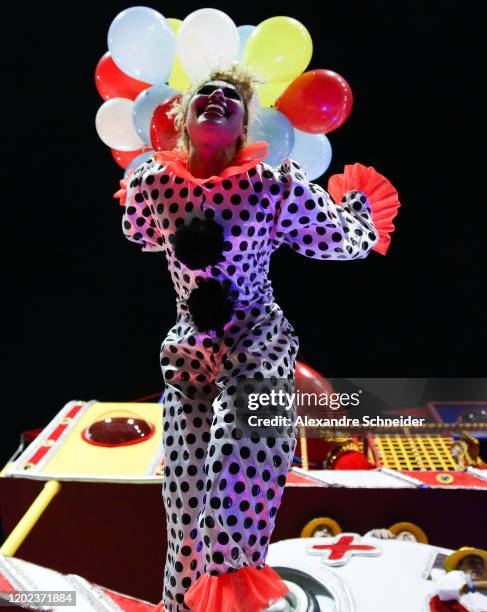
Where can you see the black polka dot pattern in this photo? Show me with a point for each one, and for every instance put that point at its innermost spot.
(257, 214)
(312, 224)
(221, 489)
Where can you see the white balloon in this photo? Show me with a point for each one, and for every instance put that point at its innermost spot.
(254, 106)
(115, 126)
(244, 31)
(144, 106)
(207, 39)
(312, 152)
(142, 44)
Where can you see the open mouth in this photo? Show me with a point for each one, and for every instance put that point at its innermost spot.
(215, 108)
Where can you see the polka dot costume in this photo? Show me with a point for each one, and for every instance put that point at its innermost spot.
(222, 489)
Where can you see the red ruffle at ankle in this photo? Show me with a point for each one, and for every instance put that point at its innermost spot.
(246, 590)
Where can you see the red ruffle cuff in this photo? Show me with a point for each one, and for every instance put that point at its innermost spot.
(247, 590)
(121, 194)
(382, 195)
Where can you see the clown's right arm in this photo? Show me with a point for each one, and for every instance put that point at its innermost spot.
(139, 222)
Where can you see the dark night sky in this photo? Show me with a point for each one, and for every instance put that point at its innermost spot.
(95, 308)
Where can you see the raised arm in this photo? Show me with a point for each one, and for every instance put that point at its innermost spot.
(310, 222)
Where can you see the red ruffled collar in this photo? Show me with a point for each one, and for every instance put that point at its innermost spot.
(177, 161)
(248, 157)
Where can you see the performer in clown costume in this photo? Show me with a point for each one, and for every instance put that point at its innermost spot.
(217, 212)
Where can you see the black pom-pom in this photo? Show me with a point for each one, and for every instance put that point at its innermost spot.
(199, 244)
(210, 305)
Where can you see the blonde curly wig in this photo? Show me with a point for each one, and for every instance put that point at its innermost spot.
(238, 75)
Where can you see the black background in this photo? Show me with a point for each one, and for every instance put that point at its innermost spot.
(96, 309)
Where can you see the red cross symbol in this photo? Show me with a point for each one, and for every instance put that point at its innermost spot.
(341, 549)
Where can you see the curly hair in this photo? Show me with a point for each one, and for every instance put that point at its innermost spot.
(238, 75)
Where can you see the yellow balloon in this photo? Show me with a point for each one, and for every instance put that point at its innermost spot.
(279, 49)
(178, 78)
(174, 23)
(269, 92)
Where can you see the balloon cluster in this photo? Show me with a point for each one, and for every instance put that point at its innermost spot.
(151, 60)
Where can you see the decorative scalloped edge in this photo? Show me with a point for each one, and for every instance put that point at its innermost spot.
(246, 590)
(382, 195)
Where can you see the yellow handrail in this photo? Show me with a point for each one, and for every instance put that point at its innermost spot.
(30, 518)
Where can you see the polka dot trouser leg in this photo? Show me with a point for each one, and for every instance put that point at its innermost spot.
(221, 492)
(245, 476)
(187, 420)
(186, 434)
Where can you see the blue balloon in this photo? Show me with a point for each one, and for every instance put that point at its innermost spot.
(144, 106)
(312, 152)
(137, 161)
(244, 32)
(276, 129)
(142, 44)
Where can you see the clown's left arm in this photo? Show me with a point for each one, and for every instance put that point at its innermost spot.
(311, 223)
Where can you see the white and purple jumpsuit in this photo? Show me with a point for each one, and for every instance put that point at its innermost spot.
(222, 490)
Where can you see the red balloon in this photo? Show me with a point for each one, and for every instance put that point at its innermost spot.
(309, 380)
(123, 158)
(312, 380)
(163, 134)
(318, 101)
(111, 82)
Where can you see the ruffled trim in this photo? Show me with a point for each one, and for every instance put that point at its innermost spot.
(121, 194)
(382, 195)
(248, 157)
(177, 161)
(246, 590)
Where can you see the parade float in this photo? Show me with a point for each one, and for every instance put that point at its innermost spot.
(387, 521)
